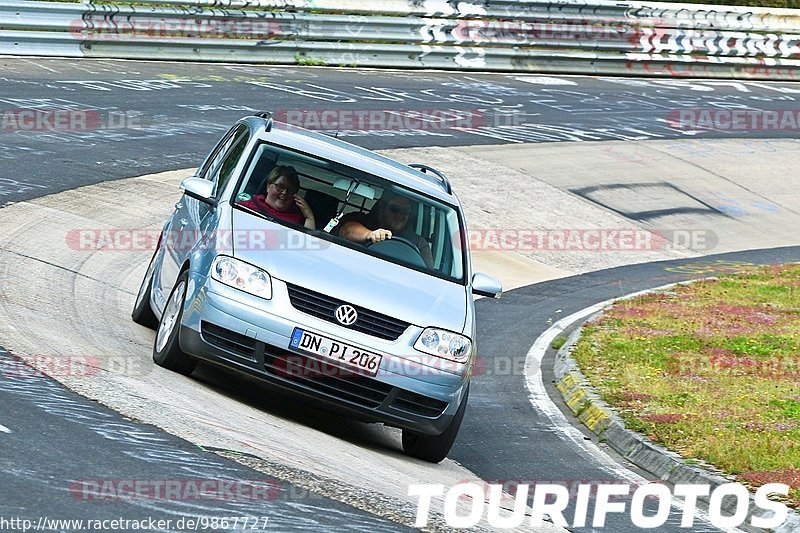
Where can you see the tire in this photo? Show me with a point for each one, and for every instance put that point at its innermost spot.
(142, 312)
(167, 351)
(434, 448)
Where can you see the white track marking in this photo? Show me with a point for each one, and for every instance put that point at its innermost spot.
(541, 401)
(4, 429)
(38, 65)
(537, 394)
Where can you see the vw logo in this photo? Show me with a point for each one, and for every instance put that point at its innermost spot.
(346, 315)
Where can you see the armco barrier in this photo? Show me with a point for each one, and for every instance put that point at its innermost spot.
(597, 37)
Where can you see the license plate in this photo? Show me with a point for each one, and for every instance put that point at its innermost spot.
(349, 356)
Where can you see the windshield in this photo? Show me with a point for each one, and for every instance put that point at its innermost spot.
(354, 209)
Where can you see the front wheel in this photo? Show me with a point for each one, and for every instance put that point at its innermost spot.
(434, 448)
(167, 350)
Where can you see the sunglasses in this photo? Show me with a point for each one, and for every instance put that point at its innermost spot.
(399, 209)
(281, 188)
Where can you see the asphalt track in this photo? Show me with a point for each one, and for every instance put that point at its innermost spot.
(66, 458)
(146, 117)
(177, 119)
(532, 450)
(59, 438)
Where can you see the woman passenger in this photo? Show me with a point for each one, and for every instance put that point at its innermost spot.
(280, 199)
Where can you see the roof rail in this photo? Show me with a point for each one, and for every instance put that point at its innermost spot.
(266, 115)
(445, 183)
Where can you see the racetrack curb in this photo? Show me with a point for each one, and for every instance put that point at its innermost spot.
(586, 404)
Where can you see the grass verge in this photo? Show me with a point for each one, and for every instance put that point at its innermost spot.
(710, 370)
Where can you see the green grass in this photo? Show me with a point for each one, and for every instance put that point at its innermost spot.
(305, 61)
(710, 370)
(558, 342)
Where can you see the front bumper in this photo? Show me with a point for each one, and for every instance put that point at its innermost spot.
(252, 336)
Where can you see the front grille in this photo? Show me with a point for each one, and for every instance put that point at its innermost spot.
(322, 306)
(418, 404)
(228, 340)
(321, 376)
(325, 377)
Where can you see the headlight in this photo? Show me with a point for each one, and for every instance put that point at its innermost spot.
(242, 276)
(445, 344)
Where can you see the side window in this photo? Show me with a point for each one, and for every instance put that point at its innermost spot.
(223, 173)
(212, 164)
(216, 154)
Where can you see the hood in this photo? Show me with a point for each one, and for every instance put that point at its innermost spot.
(349, 275)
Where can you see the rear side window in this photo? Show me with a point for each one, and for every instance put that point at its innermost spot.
(216, 154)
(211, 169)
(228, 164)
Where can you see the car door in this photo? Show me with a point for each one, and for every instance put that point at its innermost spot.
(202, 218)
(191, 217)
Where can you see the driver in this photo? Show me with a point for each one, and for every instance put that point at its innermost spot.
(388, 217)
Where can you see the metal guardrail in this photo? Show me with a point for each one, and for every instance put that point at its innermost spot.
(598, 37)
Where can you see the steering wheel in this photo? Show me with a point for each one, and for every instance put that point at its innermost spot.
(399, 248)
(394, 238)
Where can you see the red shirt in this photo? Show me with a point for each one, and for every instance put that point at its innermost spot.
(259, 203)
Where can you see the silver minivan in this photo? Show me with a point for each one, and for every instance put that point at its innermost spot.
(327, 270)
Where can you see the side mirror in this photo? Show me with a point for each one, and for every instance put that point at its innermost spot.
(485, 285)
(199, 189)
